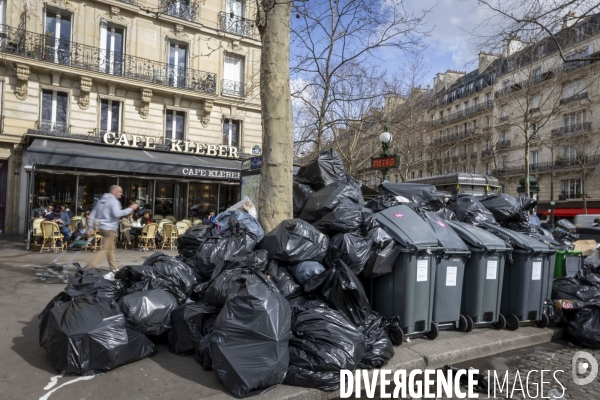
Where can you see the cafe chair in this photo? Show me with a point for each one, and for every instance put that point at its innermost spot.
(170, 236)
(38, 235)
(198, 222)
(171, 218)
(148, 236)
(73, 224)
(51, 235)
(182, 227)
(188, 222)
(158, 217)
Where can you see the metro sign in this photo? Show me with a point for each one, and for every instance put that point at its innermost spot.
(385, 162)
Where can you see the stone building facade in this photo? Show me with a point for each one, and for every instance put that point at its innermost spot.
(169, 70)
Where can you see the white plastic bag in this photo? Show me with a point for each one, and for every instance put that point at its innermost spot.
(245, 205)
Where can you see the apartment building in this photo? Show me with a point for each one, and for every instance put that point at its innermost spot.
(159, 96)
(526, 100)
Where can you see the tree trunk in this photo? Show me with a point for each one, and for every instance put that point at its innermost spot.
(275, 198)
(527, 189)
(585, 211)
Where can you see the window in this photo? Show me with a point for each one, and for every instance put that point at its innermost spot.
(446, 171)
(571, 188)
(473, 169)
(569, 153)
(476, 102)
(486, 168)
(504, 135)
(465, 105)
(506, 84)
(537, 74)
(488, 98)
(430, 174)
(58, 36)
(234, 17)
(533, 130)
(454, 171)
(110, 115)
(2, 13)
(464, 169)
(233, 75)
(535, 103)
(533, 158)
(474, 124)
(231, 133)
(464, 149)
(504, 162)
(541, 49)
(579, 32)
(175, 126)
(573, 89)
(182, 9)
(412, 175)
(486, 145)
(465, 127)
(487, 121)
(504, 111)
(574, 121)
(177, 65)
(111, 49)
(420, 174)
(54, 111)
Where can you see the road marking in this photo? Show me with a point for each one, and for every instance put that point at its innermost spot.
(53, 382)
(81, 378)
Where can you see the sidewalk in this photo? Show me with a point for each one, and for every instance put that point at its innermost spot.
(26, 369)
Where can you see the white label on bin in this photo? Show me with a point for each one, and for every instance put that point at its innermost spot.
(492, 269)
(537, 271)
(451, 276)
(422, 270)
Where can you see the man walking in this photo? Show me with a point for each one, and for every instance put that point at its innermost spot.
(108, 213)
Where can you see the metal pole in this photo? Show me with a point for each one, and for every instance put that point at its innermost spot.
(76, 192)
(552, 187)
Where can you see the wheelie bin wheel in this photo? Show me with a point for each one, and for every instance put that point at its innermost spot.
(433, 332)
(544, 322)
(501, 323)
(396, 336)
(512, 322)
(470, 323)
(463, 324)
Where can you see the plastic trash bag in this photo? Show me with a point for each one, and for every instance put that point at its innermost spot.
(301, 194)
(189, 323)
(327, 199)
(91, 281)
(326, 169)
(503, 206)
(223, 222)
(382, 260)
(379, 347)
(250, 340)
(285, 282)
(425, 197)
(583, 323)
(305, 270)
(179, 278)
(89, 335)
(571, 288)
(246, 206)
(353, 249)
(446, 214)
(468, 209)
(149, 312)
(383, 202)
(203, 353)
(295, 240)
(322, 343)
(341, 290)
(191, 241)
(346, 217)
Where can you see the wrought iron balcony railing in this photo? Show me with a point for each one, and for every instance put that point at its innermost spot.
(578, 96)
(464, 113)
(45, 48)
(455, 159)
(233, 88)
(486, 153)
(572, 129)
(132, 2)
(559, 164)
(463, 157)
(183, 9)
(504, 118)
(53, 128)
(474, 155)
(236, 25)
(502, 144)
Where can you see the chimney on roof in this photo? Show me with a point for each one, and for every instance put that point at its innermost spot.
(569, 20)
(485, 59)
(438, 82)
(451, 76)
(512, 45)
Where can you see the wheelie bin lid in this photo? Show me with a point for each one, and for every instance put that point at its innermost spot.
(518, 241)
(407, 228)
(450, 241)
(477, 237)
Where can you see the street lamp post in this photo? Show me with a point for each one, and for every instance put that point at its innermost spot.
(386, 139)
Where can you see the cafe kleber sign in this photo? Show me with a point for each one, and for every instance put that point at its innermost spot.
(177, 146)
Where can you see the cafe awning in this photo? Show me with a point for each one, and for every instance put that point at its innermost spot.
(67, 154)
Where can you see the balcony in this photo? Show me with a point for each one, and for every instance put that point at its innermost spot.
(454, 159)
(486, 153)
(182, 9)
(53, 128)
(474, 155)
(61, 52)
(559, 164)
(429, 163)
(486, 105)
(464, 157)
(132, 2)
(487, 129)
(504, 118)
(233, 88)
(502, 144)
(236, 25)
(569, 130)
(578, 96)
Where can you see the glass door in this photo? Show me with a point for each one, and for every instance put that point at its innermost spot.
(58, 37)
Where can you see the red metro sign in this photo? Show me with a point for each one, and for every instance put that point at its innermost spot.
(385, 162)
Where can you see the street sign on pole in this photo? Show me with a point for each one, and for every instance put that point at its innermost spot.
(385, 162)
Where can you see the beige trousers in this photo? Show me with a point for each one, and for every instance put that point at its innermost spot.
(108, 247)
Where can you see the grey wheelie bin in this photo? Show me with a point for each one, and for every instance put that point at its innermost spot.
(484, 272)
(408, 291)
(527, 279)
(450, 271)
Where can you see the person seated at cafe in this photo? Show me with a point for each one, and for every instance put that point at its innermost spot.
(209, 218)
(82, 226)
(66, 209)
(49, 210)
(128, 232)
(146, 219)
(63, 221)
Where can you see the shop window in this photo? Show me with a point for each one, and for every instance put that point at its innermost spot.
(228, 196)
(177, 64)
(58, 36)
(54, 111)
(110, 115)
(175, 125)
(111, 48)
(56, 189)
(203, 198)
(231, 132)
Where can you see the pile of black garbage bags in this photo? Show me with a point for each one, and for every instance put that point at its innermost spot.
(258, 309)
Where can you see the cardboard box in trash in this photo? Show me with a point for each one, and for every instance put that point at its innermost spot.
(587, 247)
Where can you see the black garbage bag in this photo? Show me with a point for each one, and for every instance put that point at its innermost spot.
(295, 240)
(285, 282)
(149, 312)
(468, 209)
(592, 261)
(583, 323)
(305, 270)
(250, 339)
(327, 199)
(346, 217)
(353, 249)
(379, 346)
(447, 214)
(203, 353)
(424, 197)
(301, 193)
(91, 281)
(383, 202)
(341, 289)
(326, 169)
(225, 221)
(178, 277)
(89, 335)
(191, 241)
(382, 259)
(528, 203)
(503, 206)
(589, 275)
(571, 288)
(189, 323)
(322, 343)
